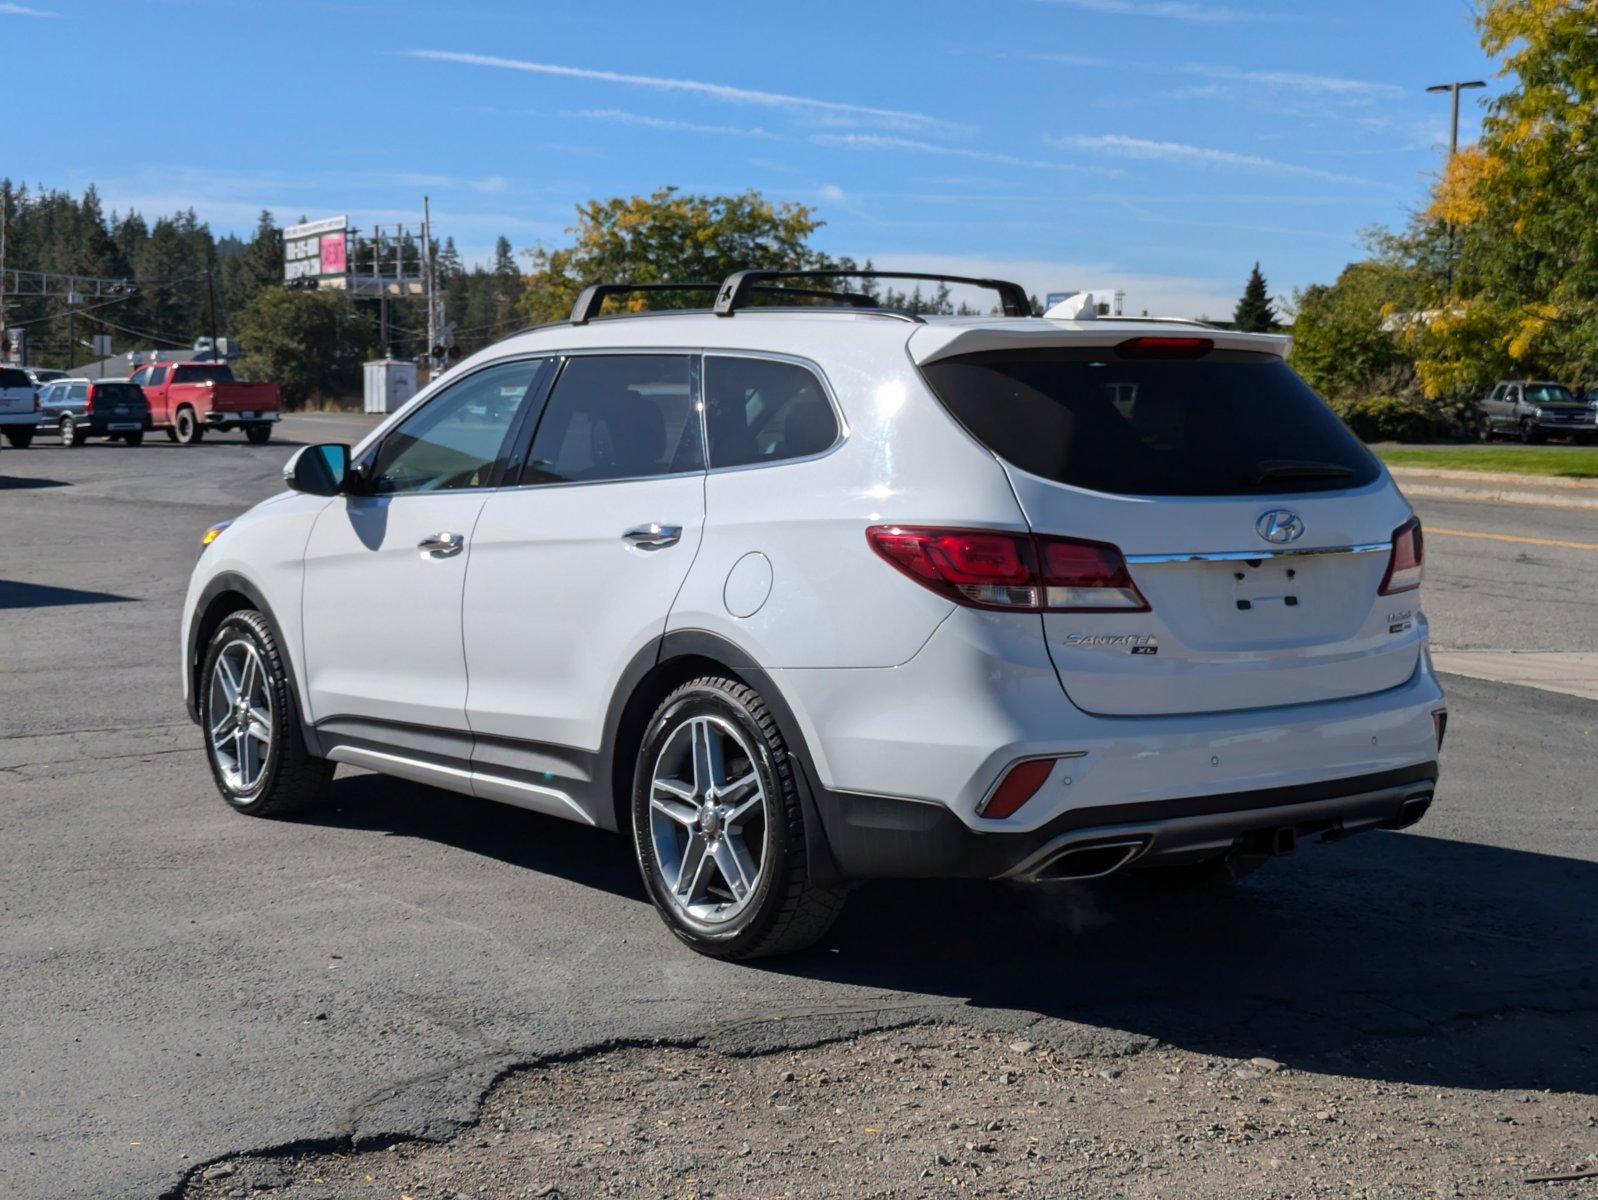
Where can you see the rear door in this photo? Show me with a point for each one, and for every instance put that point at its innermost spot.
(574, 570)
(1254, 524)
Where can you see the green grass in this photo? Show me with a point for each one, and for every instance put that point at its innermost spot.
(1570, 462)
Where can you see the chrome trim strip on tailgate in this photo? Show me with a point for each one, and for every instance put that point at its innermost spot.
(1146, 560)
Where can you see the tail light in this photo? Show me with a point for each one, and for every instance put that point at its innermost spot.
(1440, 724)
(1011, 572)
(35, 399)
(88, 404)
(1020, 783)
(1407, 561)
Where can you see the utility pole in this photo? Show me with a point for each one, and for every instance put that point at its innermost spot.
(382, 292)
(210, 304)
(427, 266)
(5, 219)
(1454, 89)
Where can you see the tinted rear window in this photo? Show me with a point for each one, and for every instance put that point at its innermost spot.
(1232, 423)
(118, 393)
(10, 377)
(216, 374)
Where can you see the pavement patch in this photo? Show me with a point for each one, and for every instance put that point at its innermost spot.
(1571, 673)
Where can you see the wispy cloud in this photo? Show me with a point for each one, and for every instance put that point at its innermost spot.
(1170, 10)
(879, 141)
(617, 116)
(20, 10)
(1121, 146)
(1316, 85)
(714, 91)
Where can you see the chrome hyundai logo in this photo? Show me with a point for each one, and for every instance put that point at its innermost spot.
(1280, 526)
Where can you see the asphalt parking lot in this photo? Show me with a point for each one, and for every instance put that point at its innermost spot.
(181, 984)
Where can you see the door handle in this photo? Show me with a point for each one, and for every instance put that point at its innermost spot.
(441, 545)
(653, 536)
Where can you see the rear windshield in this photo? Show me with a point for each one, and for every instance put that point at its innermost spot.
(1231, 423)
(118, 393)
(10, 377)
(216, 374)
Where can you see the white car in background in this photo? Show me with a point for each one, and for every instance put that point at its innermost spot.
(797, 591)
(19, 406)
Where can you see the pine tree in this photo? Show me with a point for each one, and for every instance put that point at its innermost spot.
(1254, 313)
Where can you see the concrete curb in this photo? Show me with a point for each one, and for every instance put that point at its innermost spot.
(1497, 487)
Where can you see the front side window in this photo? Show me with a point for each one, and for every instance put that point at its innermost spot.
(140, 377)
(764, 411)
(456, 438)
(622, 416)
(157, 377)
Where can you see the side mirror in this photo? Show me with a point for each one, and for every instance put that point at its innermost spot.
(321, 470)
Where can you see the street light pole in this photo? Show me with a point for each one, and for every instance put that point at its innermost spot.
(1454, 89)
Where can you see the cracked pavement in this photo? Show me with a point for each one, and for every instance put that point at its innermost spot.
(181, 983)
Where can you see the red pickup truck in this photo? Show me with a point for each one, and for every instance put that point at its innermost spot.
(188, 398)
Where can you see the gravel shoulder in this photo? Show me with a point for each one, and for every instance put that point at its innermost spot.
(944, 1109)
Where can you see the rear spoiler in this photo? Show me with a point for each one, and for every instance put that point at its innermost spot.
(935, 341)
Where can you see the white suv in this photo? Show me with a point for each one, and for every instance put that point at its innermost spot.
(799, 595)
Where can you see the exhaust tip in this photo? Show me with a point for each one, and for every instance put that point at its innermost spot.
(1089, 862)
(1411, 813)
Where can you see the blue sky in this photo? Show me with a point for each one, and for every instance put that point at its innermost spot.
(1159, 146)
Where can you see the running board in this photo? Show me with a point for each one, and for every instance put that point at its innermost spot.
(531, 796)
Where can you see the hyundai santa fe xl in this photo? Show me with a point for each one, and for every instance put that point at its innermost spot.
(795, 591)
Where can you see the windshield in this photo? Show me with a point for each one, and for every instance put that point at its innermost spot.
(1549, 393)
(1231, 423)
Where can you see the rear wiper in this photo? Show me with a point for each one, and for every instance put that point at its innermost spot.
(1298, 468)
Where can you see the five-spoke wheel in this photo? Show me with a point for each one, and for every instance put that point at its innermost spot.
(707, 818)
(241, 715)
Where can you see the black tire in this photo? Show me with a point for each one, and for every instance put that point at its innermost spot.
(291, 779)
(1484, 430)
(134, 438)
(71, 435)
(786, 911)
(1530, 435)
(20, 438)
(186, 428)
(259, 434)
(171, 434)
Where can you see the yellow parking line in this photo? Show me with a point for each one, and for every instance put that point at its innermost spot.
(1431, 530)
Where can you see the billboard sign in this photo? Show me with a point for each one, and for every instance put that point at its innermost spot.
(316, 249)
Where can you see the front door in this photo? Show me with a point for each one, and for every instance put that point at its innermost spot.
(574, 570)
(384, 570)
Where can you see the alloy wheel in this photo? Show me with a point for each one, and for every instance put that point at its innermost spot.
(708, 820)
(241, 717)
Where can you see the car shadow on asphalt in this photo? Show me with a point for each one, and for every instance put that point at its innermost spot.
(16, 594)
(1388, 956)
(19, 483)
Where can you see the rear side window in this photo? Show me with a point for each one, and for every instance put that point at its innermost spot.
(624, 416)
(1231, 423)
(10, 377)
(764, 411)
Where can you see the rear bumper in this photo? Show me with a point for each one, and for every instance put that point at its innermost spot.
(29, 418)
(226, 420)
(873, 837)
(102, 425)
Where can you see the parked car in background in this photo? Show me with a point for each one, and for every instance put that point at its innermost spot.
(1534, 410)
(189, 398)
(19, 406)
(43, 375)
(79, 409)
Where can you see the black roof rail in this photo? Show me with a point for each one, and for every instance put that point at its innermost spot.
(737, 288)
(593, 297)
